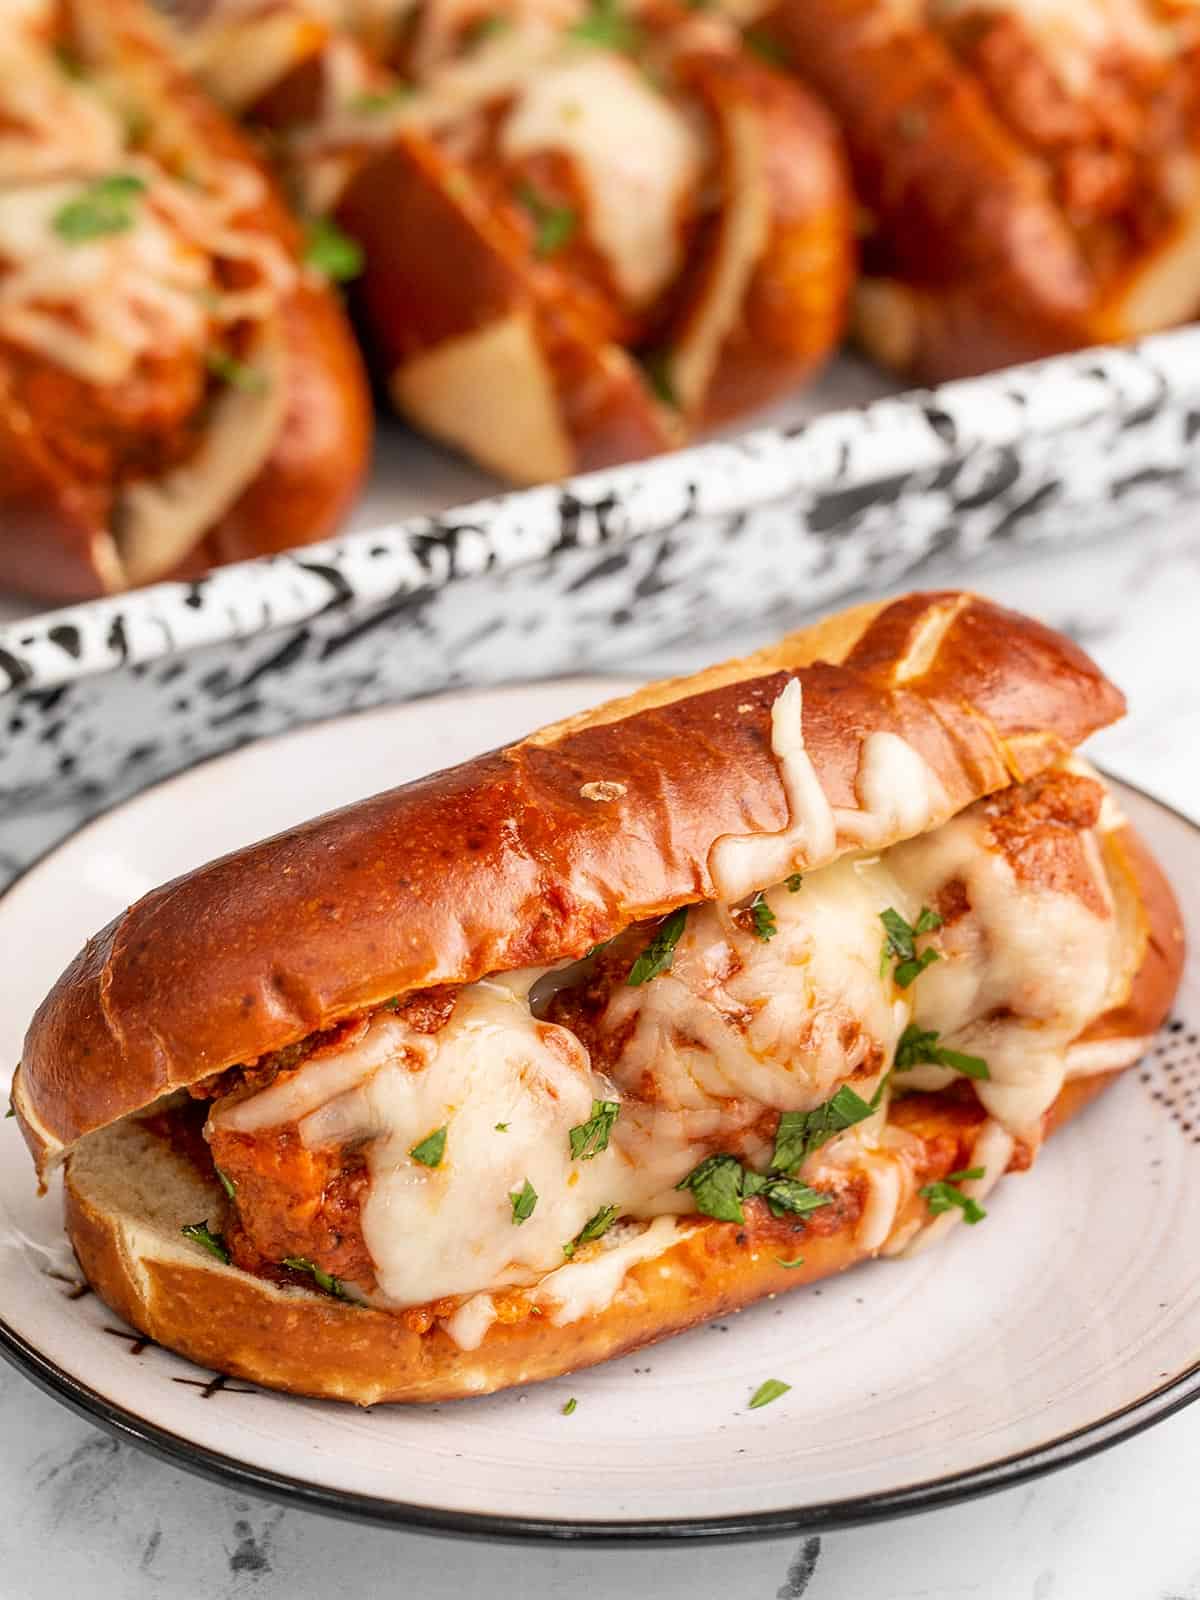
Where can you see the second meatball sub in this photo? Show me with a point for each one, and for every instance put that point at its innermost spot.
(177, 386)
(1030, 172)
(589, 229)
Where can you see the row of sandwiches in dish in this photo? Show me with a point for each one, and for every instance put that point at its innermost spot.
(691, 999)
(572, 233)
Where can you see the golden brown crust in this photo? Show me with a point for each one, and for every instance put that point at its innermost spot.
(578, 399)
(309, 482)
(508, 861)
(52, 543)
(795, 304)
(413, 210)
(1158, 976)
(990, 271)
(975, 261)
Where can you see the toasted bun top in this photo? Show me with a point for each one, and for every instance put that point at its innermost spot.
(535, 852)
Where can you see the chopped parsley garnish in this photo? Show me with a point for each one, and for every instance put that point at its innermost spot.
(552, 225)
(589, 1138)
(69, 64)
(794, 881)
(11, 1112)
(720, 1183)
(523, 1201)
(716, 1186)
(502, 1127)
(486, 28)
(944, 1196)
(784, 1194)
(569, 1406)
(104, 207)
(768, 1391)
(331, 252)
(763, 918)
(227, 1184)
(900, 944)
(801, 1132)
(660, 952)
(373, 101)
(594, 1228)
(766, 47)
(238, 374)
(919, 1046)
(431, 1148)
(200, 1233)
(656, 364)
(605, 26)
(796, 1261)
(323, 1280)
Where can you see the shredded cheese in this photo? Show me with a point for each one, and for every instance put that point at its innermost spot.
(155, 280)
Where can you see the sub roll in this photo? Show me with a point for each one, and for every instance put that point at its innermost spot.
(591, 231)
(685, 1001)
(1029, 173)
(178, 383)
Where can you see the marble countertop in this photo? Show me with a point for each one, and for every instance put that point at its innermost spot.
(86, 1514)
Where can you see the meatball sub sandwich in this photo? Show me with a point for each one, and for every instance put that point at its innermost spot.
(690, 999)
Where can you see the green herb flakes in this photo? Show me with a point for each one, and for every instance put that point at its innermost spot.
(431, 1148)
(104, 207)
(768, 1391)
(523, 1201)
(200, 1233)
(918, 1046)
(660, 952)
(590, 1138)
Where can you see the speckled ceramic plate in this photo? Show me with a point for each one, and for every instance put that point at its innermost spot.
(1069, 1320)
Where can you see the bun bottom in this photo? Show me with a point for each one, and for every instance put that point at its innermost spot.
(128, 1194)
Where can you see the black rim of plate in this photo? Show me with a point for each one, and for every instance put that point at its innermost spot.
(928, 1495)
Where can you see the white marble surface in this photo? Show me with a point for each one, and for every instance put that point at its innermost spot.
(84, 1514)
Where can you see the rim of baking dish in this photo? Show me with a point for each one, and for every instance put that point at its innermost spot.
(839, 453)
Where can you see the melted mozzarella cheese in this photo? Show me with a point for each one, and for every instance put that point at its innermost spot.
(449, 1229)
(130, 292)
(96, 306)
(1021, 974)
(50, 126)
(469, 1324)
(638, 156)
(897, 795)
(582, 1288)
(739, 1023)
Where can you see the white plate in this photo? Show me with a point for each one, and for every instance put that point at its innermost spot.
(1070, 1319)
